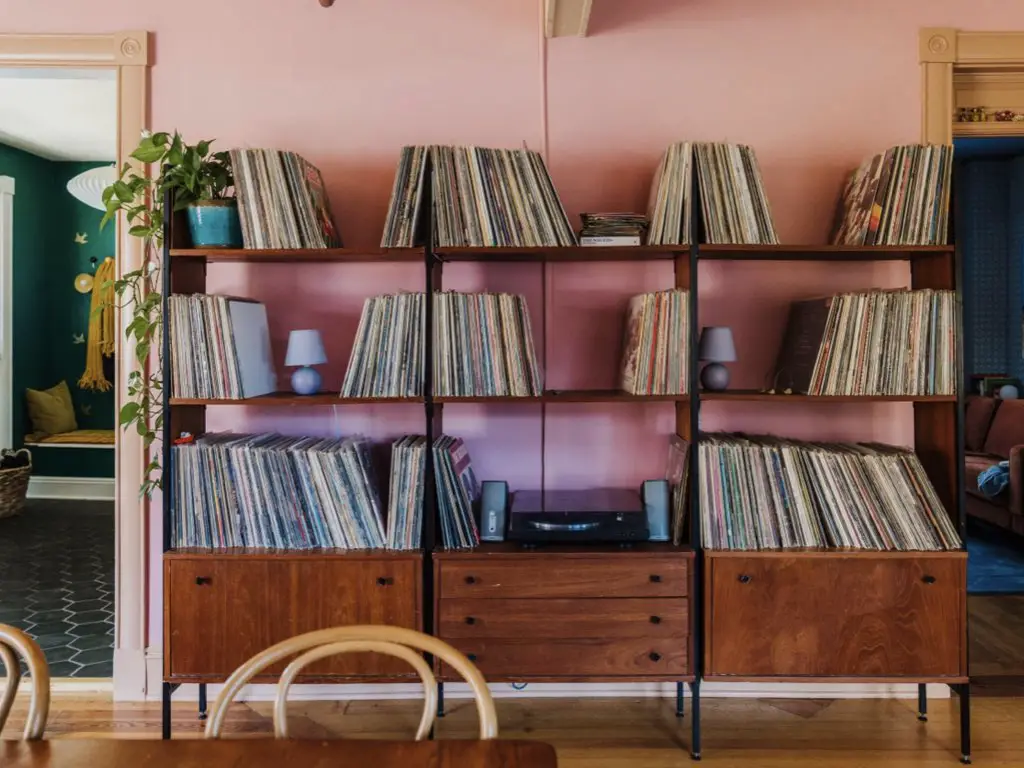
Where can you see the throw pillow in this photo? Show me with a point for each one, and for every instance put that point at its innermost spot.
(51, 411)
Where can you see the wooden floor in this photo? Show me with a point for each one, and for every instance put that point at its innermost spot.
(620, 733)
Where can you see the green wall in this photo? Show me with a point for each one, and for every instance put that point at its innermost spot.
(48, 311)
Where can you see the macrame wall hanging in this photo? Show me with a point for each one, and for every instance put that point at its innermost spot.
(102, 341)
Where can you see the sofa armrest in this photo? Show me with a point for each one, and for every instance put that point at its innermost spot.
(1017, 480)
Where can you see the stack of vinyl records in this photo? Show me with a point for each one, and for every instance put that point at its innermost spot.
(734, 206)
(387, 358)
(482, 198)
(613, 229)
(281, 201)
(773, 493)
(877, 343)
(220, 348)
(457, 492)
(900, 197)
(405, 497)
(277, 492)
(656, 344)
(483, 346)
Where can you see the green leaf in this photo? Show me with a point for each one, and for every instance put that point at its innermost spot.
(140, 427)
(203, 147)
(139, 231)
(123, 192)
(148, 155)
(128, 413)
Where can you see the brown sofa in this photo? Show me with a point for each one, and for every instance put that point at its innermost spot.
(994, 432)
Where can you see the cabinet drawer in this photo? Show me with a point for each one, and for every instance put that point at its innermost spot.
(519, 659)
(560, 618)
(536, 576)
(836, 614)
(220, 611)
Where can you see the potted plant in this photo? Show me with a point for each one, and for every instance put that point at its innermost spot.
(197, 180)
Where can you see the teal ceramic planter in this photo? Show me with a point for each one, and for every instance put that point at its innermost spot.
(214, 224)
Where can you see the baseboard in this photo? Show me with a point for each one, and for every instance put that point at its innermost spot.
(75, 488)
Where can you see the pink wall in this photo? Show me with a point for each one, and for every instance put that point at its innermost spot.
(814, 86)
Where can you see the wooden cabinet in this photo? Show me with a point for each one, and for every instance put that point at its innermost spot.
(220, 610)
(565, 614)
(865, 615)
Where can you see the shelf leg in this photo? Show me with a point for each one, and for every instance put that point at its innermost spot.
(965, 722)
(440, 699)
(922, 702)
(680, 709)
(695, 722)
(202, 701)
(165, 710)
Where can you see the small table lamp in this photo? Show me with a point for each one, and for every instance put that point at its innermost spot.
(716, 347)
(305, 348)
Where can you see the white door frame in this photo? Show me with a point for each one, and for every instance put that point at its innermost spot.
(6, 312)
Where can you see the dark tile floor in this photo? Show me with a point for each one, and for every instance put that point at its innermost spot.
(57, 582)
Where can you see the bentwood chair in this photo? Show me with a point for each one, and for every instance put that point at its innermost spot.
(393, 641)
(15, 643)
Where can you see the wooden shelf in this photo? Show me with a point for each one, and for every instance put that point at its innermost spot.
(304, 255)
(748, 554)
(821, 252)
(191, 553)
(514, 549)
(572, 396)
(743, 395)
(835, 679)
(989, 128)
(292, 400)
(566, 253)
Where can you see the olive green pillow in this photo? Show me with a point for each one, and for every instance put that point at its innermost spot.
(51, 411)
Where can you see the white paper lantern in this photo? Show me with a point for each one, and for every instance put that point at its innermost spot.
(88, 187)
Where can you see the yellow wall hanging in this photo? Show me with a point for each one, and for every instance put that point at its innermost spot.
(83, 283)
(102, 341)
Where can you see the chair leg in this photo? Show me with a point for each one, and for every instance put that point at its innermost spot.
(165, 710)
(202, 701)
(922, 702)
(965, 723)
(695, 722)
(680, 707)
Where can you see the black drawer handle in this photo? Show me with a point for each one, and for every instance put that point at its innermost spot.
(471, 656)
(655, 656)
(655, 579)
(471, 580)
(928, 579)
(385, 581)
(655, 619)
(470, 620)
(744, 579)
(201, 580)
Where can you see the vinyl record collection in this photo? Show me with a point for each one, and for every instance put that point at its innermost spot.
(277, 492)
(900, 197)
(734, 207)
(220, 347)
(773, 493)
(656, 344)
(888, 343)
(482, 198)
(387, 357)
(405, 496)
(457, 492)
(281, 201)
(613, 229)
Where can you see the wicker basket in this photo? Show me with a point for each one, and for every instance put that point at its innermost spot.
(14, 485)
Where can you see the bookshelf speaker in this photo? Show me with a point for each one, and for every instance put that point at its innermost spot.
(493, 510)
(656, 502)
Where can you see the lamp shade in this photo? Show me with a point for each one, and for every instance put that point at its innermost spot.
(716, 345)
(305, 348)
(88, 187)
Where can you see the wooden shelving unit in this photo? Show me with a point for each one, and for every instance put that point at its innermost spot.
(299, 256)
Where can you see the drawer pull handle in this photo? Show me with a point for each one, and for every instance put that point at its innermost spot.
(385, 581)
(655, 579)
(928, 579)
(655, 656)
(655, 619)
(471, 656)
(201, 580)
(470, 620)
(471, 580)
(744, 579)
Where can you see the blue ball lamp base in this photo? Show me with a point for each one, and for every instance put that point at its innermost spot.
(306, 381)
(714, 377)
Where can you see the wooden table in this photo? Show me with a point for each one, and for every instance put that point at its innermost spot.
(273, 753)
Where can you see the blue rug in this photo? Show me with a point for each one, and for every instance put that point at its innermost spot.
(995, 561)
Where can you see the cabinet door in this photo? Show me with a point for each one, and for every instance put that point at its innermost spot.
(830, 615)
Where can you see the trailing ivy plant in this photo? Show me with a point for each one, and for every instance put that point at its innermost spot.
(190, 174)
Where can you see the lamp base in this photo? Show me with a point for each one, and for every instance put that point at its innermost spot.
(306, 381)
(714, 377)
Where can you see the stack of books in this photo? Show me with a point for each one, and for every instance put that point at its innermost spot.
(613, 229)
(220, 348)
(405, 497)
(877, 343)
(773, 493)
(656, 344)
(900, 197)
(482, 198)
(483, 346)
(276, 492)
(734, 206)
(387, 358)
(457, 493)
(281, 201)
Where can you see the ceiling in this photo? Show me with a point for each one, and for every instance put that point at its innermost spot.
(59, 114)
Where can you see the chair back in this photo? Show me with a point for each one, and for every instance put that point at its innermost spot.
(394, 641)
(15, 643)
